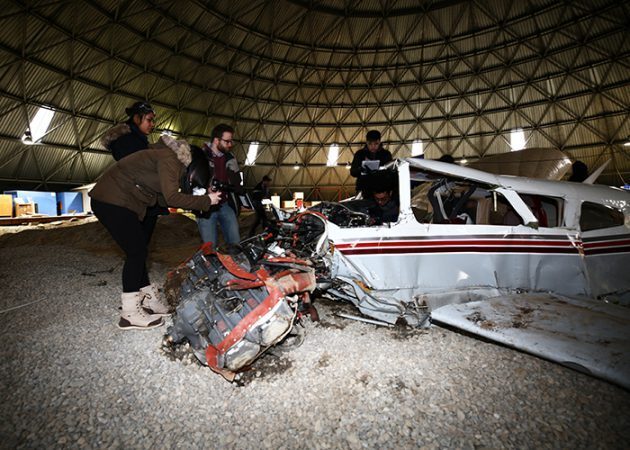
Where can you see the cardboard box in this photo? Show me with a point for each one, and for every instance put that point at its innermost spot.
(45, 202)
(24, 209)
(69, 203)
(6, 205)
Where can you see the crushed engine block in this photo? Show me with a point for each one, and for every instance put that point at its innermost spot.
(233, 307)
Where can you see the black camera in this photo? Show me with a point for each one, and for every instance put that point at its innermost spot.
(219, 186)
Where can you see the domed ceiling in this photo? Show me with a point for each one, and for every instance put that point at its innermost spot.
(297, 76)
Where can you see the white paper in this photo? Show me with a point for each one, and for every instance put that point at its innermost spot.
(371, 164)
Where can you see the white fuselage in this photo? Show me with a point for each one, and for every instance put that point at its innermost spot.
(426, 258)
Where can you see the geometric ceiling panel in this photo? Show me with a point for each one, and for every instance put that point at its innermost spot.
(297, 76)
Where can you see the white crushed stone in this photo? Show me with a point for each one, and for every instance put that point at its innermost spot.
(71, 378)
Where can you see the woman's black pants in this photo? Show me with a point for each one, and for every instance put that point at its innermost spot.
(133, 236)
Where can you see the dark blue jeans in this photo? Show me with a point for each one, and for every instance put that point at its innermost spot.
(226, 217)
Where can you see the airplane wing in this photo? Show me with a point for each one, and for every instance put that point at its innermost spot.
(543, 163)
(584, 334)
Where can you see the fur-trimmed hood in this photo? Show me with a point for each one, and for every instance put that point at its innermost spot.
(150, 176)
(114, 133)
(180, 147)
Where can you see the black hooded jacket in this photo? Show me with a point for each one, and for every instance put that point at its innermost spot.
(128, 140)
(123, 140)
(356, 170)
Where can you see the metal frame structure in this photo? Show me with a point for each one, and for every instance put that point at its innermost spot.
(299, 75)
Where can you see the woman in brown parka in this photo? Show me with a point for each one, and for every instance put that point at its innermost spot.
(120, 199)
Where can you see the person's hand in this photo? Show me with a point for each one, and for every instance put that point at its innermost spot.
(215, 197)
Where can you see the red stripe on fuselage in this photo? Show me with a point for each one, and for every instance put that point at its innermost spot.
(536, 245)
(409, 250)
(607, 250)
(607, 243)
(458, 243)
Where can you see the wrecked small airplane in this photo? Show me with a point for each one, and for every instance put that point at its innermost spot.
(538, 265)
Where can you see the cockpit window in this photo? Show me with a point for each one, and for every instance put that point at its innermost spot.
(595, 217)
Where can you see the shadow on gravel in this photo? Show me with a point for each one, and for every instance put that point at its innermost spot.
(405, 332)
(265, 368)
(329, 318)
(329, 310)
(273, 362)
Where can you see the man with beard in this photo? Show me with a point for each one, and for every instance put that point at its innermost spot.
(225, 177)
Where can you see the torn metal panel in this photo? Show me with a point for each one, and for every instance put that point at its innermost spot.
(584, 334)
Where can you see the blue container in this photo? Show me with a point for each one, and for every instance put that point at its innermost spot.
(45, 202)
(69, 203)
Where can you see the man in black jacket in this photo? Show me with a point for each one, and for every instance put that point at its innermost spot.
(368, 159)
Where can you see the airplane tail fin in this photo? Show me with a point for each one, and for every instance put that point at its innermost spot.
(593, 177)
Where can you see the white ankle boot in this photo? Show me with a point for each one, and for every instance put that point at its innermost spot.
(153, 302)
(133, 316)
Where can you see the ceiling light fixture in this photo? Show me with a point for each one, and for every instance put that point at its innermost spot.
(417, 148)
(252, 154)
(517, 140)
(333, 155)
(38, 126)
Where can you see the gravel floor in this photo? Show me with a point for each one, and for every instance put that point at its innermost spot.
(70, 378)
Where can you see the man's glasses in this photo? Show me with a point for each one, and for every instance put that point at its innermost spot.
(227, 141)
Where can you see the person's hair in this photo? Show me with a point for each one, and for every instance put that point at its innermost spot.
(579, 172)
(266, 178)
(141, 108)
(197, 173)
(446, 158)
(373, 136)
(217, 132)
